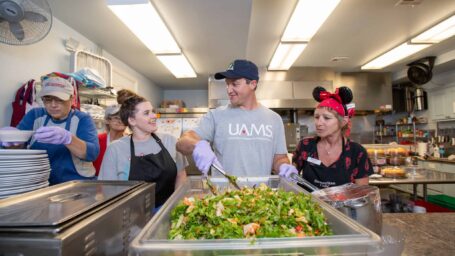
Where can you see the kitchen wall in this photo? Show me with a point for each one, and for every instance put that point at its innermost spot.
(362, 127)
(192, 98)
(18, 64)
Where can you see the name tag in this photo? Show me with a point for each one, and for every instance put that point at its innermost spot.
(314, 161)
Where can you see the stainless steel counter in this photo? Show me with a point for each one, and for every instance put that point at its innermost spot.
(75, 218)
(422, 176)
(438, 160)
(425, 234)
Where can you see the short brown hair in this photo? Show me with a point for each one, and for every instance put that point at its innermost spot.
(128, 108)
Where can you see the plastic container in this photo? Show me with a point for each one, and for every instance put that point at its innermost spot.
(393, 172)
(393, 239)
(349, 236)
(443, 200)
(419, 209)
(387, 149)
(396, 160)
(386, 154)
(15, 135)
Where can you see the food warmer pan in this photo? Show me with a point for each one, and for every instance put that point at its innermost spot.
(75, 218)
(349, 236)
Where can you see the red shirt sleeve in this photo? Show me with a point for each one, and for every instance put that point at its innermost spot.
(102, 138)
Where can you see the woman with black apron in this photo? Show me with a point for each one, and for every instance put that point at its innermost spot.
(144, 155)
(330, 158)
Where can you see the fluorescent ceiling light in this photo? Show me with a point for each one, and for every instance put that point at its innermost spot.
(143, 20)
(285, 55)
(437, 33)
(306, 19)
(177, 64)
(394, 55)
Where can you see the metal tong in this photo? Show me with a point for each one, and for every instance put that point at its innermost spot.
(231, 179)
(304, 182)
(211, 186)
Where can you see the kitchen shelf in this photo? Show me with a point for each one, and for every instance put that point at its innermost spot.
(379, 128)
(408, 124)
(412, 137)
(96, 93)
(393, 125)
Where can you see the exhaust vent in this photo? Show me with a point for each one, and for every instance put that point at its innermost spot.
(410, 3)
(338, 59)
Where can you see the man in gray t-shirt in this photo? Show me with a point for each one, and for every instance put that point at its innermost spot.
(248, 138)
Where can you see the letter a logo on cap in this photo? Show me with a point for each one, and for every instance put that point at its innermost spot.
(231, 66)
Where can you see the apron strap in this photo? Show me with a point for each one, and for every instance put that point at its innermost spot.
(132, 146)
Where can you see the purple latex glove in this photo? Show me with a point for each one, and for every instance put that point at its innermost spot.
(287, 169)
(53, 135)
(9, 144)
(204, 156)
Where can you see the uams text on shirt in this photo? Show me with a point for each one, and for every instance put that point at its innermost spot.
(250, 130)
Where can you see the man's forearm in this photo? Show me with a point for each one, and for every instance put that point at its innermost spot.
(185, 144)
(279, 160)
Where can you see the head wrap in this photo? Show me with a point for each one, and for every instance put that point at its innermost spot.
(339, 101)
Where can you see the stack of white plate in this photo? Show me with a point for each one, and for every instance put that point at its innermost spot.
(23, 170)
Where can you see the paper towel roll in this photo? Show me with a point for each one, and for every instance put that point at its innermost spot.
(422, 148)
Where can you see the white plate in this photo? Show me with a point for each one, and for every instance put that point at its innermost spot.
(24, 175)
(22, 152)
(375, 176)
(6, 190)
(23, 161)
(22, 183)
(19, 189)
(28, 169)
(19, 168)
(11, 157)
(15, 135)
(24, 189)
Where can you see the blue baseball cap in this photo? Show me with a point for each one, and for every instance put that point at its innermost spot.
(240, 69)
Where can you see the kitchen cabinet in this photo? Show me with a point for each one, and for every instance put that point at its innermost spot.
(442, 103)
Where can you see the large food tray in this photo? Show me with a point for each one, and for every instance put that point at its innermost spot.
(349, 237)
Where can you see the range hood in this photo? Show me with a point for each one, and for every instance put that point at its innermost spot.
(371, 90)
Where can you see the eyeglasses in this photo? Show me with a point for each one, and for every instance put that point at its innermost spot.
(115, 118)
(49, 99)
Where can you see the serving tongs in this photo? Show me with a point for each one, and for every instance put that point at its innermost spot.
(304, 182)
(211, 186)
(232, 179)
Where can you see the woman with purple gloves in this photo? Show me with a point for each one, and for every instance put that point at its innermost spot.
(68, 135)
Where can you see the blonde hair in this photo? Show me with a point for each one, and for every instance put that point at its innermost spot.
(340, 120)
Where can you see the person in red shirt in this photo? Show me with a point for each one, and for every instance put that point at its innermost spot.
(114, 130)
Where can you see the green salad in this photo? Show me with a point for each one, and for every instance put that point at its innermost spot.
(248, 213)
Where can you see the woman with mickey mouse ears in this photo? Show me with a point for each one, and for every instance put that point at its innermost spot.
(331, 158)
